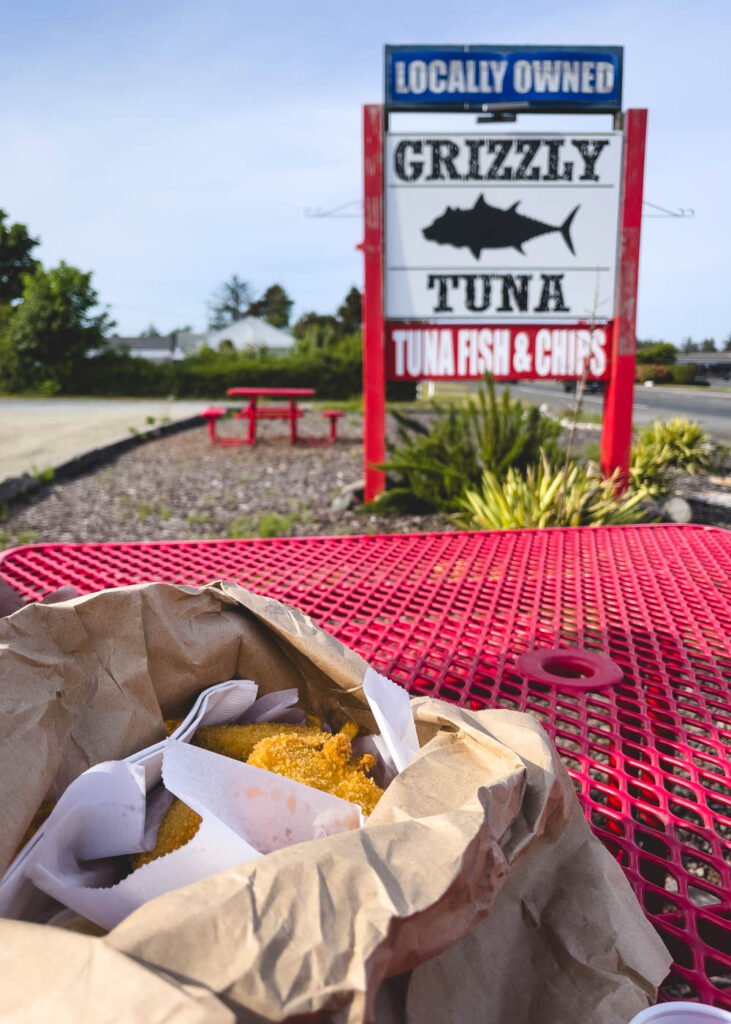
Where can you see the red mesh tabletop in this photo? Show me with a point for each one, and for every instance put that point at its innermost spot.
(449, 614)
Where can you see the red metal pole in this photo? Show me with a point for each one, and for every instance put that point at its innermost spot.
(252, 420)
(617, 430)
(374, 355)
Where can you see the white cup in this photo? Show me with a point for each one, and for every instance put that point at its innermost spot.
(682, 1013)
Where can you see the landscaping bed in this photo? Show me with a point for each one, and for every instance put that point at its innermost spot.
(182, 487)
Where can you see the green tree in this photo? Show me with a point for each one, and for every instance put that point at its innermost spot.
(55, 326)
(727, 344)
(150, 332)
(708, 345)
(16, 246)
(274, 306)
(350, 313)
(689, 345)
(230, 303)
(317, 331)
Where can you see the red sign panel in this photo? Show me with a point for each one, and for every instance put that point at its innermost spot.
(417, 351)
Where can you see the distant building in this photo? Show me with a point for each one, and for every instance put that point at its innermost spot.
(249, 333)
(156, 349)
(714, 364)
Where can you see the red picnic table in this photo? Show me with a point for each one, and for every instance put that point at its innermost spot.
(448, 615)
(253, 413)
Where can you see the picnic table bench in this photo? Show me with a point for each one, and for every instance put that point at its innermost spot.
(450, 615)
(253, 412)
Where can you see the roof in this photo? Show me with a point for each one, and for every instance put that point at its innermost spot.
(705, 358)
(145, 343)
(251, 331)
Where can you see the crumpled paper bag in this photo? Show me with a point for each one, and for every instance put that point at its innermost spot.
(475, 891)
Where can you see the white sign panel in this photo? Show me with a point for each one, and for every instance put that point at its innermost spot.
(502, 227)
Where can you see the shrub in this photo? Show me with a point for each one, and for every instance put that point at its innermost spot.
(658, 374)
(431, 467)
(510, 434)
(661, 448)
(684, 374)
(571, 495)
(271, 524)
(661, 352)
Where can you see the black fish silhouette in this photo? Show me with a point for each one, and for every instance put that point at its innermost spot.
(488, 227)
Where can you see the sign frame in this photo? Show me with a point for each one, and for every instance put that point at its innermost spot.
(617, 424)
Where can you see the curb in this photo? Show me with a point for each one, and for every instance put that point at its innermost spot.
(21, 486)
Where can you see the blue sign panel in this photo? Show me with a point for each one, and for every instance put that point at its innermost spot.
(483, 78)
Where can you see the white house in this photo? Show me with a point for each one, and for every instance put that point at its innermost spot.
(251, 332)
(157, 349)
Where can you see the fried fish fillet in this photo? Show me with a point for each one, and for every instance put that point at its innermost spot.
(177, 828)
(238, 741)
(301, 752)
(322, 761)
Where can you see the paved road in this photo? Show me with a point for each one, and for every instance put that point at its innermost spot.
(45, 432)
(710, 407)
(40, 432)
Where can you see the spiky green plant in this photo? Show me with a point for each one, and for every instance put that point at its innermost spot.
(664, 447)
(572, 495)
(508, 434)
(430, 468)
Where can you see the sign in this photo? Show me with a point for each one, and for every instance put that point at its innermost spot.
(556, 78)
(466, 352)
(508, 252)
(501, 227)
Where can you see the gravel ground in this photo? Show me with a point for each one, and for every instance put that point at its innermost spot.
(182, 487)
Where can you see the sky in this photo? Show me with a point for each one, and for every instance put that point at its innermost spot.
(168, 146)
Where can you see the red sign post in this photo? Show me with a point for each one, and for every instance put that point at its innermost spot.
(374, 344)
(451, 349)
(617, 427)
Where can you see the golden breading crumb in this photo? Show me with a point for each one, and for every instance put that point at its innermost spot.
(239, 740)
(177, 828)
(171, 724)
(327, 765)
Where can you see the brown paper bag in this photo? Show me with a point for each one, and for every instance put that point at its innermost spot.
(476, 891)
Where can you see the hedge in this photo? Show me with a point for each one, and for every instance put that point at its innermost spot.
(658, 374)
(683, 374)
(336, 374)
(662, 353)
(666, 374)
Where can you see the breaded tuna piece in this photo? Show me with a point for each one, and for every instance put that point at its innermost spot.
(327, 765)
(171, 724)
(177, 828)
(238, 741)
